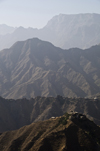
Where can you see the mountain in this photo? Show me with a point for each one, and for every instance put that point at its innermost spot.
(4, 29)
(59, 133)
(65, 31)
(37, 68)
(17, 113)
(19, 34)
(75, 30)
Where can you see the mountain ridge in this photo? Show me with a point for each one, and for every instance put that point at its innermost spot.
(65, 31)
(5, 29)
(54, 134)
(17, 113)
(37, 68)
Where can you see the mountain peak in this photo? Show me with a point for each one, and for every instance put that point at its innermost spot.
(52, 134)
(32, 62)
(63, 30)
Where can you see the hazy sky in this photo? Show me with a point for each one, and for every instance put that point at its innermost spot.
(36, 13)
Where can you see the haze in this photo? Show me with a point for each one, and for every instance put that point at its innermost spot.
(32, 13)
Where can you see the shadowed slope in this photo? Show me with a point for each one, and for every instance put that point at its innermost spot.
(17, 113)
(53, 135)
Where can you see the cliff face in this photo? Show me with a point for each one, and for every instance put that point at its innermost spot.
(37, 68)
(17, 113)
(73, 30)
(54, 134)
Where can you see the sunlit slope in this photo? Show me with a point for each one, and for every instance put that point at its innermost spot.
(37, 68)
(54, 134)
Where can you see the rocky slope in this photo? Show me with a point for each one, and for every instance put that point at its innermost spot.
(75, 30)
(37, 68)
(65, 31)
(59, 134)
(17, 113)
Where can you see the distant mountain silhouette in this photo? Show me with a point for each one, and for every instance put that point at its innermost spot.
(19, 34)
(37, 68)
(4, 29)
(75, 30)
(55, 134)
(65, 31)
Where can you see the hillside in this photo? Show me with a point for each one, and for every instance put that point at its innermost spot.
(59, 134)
(65, 31)
(37, 68)
(17, 113)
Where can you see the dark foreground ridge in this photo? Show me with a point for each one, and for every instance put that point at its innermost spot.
(17, 113)
(65, 133)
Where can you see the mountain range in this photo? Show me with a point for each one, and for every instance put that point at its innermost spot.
(65, 31)
(17, 113)
(37, 68)
(57, 134)
(56, 87)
